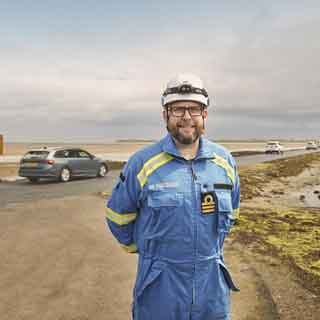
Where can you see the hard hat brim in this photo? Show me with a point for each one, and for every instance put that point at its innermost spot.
(185, 97)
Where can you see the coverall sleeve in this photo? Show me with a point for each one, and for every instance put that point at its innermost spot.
(235, 194)
(122, 207)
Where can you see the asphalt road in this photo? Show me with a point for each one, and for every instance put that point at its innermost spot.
(246, 160)
(22, 190)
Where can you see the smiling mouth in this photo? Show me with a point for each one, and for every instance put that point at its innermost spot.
(185, 126)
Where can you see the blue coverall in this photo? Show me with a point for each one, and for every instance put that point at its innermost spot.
(175, 214)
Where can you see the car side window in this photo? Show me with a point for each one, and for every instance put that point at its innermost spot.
(84, 154)
(73, 154)
(61, 154)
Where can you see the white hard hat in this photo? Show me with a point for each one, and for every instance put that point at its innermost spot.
(187, 87)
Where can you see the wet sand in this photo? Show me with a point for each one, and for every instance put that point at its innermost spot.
(129, 147)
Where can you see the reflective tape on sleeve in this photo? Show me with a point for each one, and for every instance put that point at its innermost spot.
(120, 218)
(132, 248)
(235, 214)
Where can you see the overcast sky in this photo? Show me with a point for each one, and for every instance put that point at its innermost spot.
(94, 71)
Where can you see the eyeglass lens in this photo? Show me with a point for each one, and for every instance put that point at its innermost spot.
(180, 111)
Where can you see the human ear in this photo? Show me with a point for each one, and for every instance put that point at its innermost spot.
(205, 114)
(164, 115)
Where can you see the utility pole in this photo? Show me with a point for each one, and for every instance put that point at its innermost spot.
(1, 144)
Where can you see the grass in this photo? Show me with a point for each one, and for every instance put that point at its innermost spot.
(292, 234)
(253, 178)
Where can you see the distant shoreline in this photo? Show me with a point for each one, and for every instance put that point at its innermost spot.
(131, 146)
(155, 140)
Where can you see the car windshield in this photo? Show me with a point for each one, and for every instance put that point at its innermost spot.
(36, 154)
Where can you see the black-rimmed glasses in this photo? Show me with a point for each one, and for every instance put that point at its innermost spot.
(181, 110)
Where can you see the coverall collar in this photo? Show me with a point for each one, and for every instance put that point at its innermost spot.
(205, 150)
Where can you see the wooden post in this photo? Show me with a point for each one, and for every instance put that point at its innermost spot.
(1, 144)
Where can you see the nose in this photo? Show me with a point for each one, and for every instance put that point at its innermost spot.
(186, 114)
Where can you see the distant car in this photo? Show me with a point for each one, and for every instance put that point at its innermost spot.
(61, 163)
(274, 147)
(311, 145)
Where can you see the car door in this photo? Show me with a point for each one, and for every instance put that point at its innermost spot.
(73, 162)
(87, 164)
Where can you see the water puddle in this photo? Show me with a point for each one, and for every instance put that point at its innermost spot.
(309, 197)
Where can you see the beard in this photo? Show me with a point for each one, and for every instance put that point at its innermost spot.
(177, 133)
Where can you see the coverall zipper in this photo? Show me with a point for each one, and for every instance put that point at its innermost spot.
(194, 191)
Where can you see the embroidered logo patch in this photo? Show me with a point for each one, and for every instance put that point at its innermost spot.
(208, 202)
(163, 185)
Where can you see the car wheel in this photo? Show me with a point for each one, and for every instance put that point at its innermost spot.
(65, 175)
(103, 170)
(33, 180)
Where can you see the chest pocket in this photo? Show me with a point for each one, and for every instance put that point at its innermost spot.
(166, 211)
(225, 208)
(167, 199)
(224, 200)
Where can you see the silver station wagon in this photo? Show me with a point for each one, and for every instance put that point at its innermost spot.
(61, 163)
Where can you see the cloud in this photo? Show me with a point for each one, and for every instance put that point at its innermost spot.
(260, 65)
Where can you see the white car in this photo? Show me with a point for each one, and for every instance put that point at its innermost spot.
(311, 145)
(274, 147)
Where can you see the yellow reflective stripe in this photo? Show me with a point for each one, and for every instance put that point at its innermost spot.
(120, 219)
(235, 214)
(130, 249)
(151, 165)
(225, 165)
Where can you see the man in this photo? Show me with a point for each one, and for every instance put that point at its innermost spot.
(174, 203)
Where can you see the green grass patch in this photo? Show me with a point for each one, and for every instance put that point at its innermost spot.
(290, 234)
